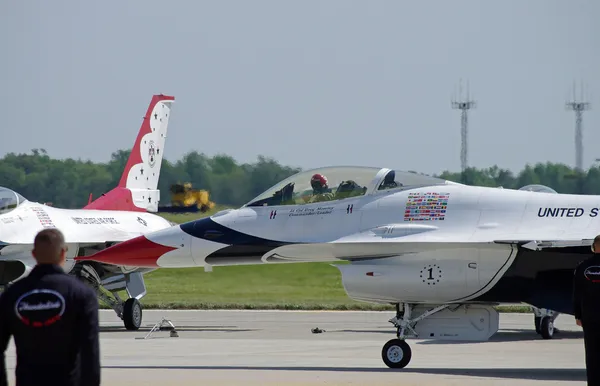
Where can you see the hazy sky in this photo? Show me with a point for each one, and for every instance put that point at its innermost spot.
(309, 83)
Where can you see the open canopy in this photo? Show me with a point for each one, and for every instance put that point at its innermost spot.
(339, 182)
(9, 200)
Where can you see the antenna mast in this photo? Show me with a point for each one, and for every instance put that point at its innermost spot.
(458, 103)
(579, 106)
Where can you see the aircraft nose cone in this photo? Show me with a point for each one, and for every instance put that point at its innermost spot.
(136, 252)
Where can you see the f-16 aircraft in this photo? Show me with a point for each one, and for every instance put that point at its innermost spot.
(116, 216)
(443, 253)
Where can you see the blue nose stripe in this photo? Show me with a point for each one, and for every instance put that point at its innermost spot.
(239, 248)
(208, 229)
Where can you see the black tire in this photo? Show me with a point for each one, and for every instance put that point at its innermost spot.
(396, 354)
(132, 314)
(547, 328)
(537, 321)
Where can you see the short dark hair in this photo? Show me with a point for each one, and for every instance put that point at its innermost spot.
(596, 244)
(51, 235)
(48, 244)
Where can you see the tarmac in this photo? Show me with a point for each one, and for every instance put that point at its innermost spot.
(278, 348)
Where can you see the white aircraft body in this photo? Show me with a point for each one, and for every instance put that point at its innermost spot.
(116, 216)
(444, 253)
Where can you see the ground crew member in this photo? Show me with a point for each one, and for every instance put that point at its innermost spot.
(586, 299)
(53, 318)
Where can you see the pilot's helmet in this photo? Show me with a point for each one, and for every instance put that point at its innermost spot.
(318, 182)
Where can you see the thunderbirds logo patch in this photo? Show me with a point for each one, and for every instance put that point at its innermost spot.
(592, 274)
(40, 307)
(426, 206)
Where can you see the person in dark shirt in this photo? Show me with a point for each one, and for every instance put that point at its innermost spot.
(53, 318)
(586, 305)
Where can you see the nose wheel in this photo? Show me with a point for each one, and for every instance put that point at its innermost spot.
(396, 354)
(544, 322)
(547, 327)
(132, 314)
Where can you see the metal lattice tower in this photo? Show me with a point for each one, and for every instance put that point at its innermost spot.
(464, 105)
(579, 106)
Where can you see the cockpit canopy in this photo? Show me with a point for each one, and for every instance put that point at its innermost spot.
(538, 188)
(337, 183)
(9, 200)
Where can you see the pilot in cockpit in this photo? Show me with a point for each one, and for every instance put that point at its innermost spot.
(389, 181)
(321, 191)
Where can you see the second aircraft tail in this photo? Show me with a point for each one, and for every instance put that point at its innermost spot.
(138, 188)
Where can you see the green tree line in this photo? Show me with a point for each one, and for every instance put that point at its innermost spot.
(67, 183)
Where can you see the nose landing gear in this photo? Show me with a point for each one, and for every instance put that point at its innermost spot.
(544, 322)
(396, 353)
(130, 310)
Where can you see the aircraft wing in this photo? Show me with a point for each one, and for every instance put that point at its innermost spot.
(381, 243)
(354, 251)
(537, 245)
(378, 243)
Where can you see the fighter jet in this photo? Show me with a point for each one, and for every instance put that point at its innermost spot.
(443, 253)
(116, 216)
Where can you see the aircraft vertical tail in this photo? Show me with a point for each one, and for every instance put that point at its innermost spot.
(138, 188)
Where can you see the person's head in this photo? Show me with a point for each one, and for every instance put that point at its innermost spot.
(49, 247)
(319, 183)
(596, 244)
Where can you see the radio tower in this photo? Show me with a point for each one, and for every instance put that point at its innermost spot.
(458, 103)
(579, 106)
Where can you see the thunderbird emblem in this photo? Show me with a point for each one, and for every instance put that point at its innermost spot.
(592, 273)
(151, 154)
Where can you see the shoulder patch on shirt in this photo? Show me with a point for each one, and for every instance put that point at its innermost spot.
(40, 307)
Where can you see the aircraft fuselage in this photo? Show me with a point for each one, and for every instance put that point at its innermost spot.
(446, 243)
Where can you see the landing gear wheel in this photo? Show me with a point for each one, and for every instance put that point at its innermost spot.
(537, 322)
(547, 327)
(396, 353)
(132, 314)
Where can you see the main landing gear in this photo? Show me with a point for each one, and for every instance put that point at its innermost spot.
(396, 353)
(130, 310)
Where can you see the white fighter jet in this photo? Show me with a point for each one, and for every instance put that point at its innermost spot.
(443, 253)
(116, 216)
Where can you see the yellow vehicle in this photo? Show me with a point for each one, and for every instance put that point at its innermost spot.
(185, 199)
